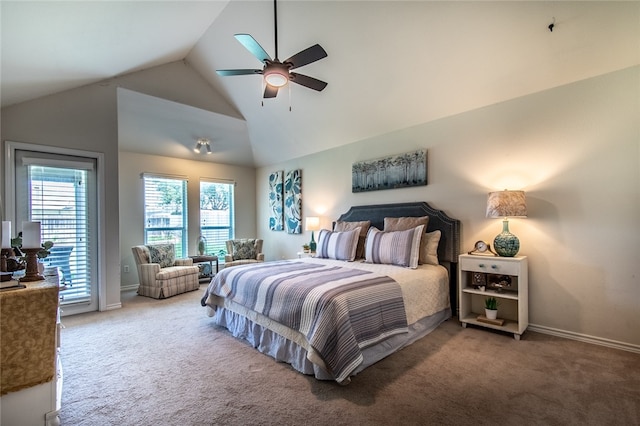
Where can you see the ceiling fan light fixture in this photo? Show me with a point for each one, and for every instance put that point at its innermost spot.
(276, 75)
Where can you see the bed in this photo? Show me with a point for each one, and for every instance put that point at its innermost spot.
(330, 317)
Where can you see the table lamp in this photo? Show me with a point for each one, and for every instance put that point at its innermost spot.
(312, 224)
(506, 204)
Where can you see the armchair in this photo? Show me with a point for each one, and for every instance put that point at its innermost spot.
(160, 274)
(243, 252)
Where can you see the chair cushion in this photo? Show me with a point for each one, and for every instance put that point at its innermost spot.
(171, 272)
(162, 254)
(244, 249)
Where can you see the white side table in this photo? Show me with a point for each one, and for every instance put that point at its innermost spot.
(513, 299)
(302, 254)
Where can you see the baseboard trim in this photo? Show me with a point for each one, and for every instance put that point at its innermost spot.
(585, 338)
(113, 306)
(129, 287)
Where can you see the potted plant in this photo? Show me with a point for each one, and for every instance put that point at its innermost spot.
(306, 248)
(491, 307)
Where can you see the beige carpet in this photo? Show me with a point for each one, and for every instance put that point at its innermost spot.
(162, 362)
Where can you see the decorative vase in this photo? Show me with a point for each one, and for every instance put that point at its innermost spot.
(202, 245)
(312, 244)
(491, 313)
(506, 244)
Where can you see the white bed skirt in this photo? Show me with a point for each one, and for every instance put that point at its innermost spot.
(285, 350)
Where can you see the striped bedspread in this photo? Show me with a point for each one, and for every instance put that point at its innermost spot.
(339, 310)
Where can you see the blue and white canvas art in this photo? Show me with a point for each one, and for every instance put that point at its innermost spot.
(276, 195)
(293, 201)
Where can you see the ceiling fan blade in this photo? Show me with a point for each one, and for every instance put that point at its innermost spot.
(270, 91)
(238, 72)
(310, 82)
(307, 56)
(253, 46)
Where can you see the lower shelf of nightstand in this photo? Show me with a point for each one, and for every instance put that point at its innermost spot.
(509, 326)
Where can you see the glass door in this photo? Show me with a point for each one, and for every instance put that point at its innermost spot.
(60, 192)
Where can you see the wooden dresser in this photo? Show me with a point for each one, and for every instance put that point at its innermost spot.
(30, 369)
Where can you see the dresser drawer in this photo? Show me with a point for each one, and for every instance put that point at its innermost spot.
(491, 265)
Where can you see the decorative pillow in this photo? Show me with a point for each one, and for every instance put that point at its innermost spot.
(350, 226)
(162, 254)
(337, 245)
(432, 240)
(400, 248)
(404, 223)
(244, 249)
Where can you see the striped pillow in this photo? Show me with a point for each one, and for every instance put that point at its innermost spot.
(400, 248)
(337, 245)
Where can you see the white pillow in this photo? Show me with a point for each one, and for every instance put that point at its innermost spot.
(337, 245)
(400, 248)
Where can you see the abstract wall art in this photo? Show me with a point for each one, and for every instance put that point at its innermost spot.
(276, 200)
(293, 202)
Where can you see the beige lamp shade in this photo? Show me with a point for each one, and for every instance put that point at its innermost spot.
(312, 224)
(506, 204)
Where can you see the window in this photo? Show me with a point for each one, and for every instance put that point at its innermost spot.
(165, 211)
(216, 215)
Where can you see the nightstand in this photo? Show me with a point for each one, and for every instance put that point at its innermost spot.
(303, 254)
(506, 279)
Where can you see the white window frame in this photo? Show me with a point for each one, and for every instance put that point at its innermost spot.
(184, 227)
(204, 227)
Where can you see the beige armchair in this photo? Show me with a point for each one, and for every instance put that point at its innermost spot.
(160, 274)
(243, 252)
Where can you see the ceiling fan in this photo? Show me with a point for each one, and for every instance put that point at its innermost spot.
(276, 73)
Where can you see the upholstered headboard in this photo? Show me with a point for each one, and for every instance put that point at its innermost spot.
(449, 247)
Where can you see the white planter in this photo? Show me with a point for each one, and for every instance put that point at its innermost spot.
(491, 313)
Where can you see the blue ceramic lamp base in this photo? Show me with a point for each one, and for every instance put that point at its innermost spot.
(312, 244)
(506, 244)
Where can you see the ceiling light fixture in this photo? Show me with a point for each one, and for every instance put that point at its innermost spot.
(276, 75)
(202, 142)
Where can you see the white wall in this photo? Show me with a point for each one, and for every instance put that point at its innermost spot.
(132, 193)
(573, 149)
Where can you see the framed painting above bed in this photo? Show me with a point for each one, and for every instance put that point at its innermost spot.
(396, 171)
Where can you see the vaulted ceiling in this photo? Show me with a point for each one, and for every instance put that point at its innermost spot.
(390, 65)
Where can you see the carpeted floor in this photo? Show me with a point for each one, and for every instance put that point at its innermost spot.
(162, 362)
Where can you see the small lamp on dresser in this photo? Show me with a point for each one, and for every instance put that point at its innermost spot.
(506, 204)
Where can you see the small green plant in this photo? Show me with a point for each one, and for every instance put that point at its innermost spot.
(16, 245)
(491, 303)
